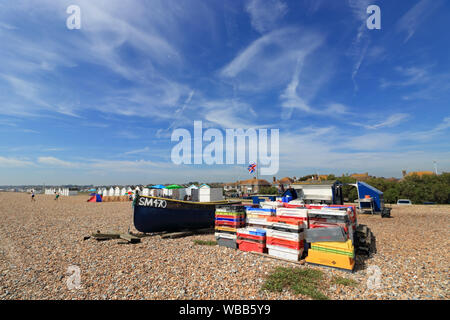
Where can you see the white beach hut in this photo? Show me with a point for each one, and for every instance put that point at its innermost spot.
(189, 190)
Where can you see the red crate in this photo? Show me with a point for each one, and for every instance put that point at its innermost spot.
(297, 245)
(292, 220)
(251, 236)
(288, 205)
(239, 217)
(251, 246)
(230, 224)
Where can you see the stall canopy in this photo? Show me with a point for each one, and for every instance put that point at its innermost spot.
(158, 186)
(174, 186)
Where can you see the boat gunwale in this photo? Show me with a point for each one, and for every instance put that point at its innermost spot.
(190, 202)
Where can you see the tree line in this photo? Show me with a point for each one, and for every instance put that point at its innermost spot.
(428, 188)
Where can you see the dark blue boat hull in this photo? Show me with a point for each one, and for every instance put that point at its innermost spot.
(153, 214)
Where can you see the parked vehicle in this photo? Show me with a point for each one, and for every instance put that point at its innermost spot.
(404, 202)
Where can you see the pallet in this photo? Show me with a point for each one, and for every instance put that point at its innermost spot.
(99, 236)
(301, 262)
(182, 234)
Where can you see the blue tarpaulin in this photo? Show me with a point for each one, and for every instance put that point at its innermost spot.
(159, 186)
(377, 196)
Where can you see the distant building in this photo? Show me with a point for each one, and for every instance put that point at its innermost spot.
(360, 176)
(285, 182)
(418, 173)
(249, 186)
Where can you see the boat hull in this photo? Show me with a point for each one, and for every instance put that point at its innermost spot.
(153, 214)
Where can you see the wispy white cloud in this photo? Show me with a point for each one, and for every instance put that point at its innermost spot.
(268, 61)
(14, 163)
(416, 16)
(265, 14)
(55, 162)
(360, 44)
(390, 121)
(143, 150)
(412, 76)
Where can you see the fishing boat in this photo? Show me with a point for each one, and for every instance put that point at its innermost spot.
(155, 214)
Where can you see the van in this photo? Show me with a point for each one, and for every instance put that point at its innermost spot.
(404, 202)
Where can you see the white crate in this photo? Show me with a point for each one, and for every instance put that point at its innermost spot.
(284, 253)
(291, 236)
(292, 212)
(271, 204)
(291, 227)
(258, 221)
(225, 235)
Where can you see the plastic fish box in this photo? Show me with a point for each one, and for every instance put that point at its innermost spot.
(344, 248)
(229, 243)
(230, 219)
(271, 204)
(297, 245)
(225, 235)
(230, 208)
(230, 224)
(345, 226)
(258, 221)
(253, 231)
(230, 214)
(293, 224)
(292, 212)
(250, 246)
(251, 237)
(261, 211)
(257, 216)
(330, 234)
(226, 229)
(329, 214)
(330, 259)
(284, 253)
(291, 236)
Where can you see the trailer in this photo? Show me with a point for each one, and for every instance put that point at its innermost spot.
(323, 192)
(371, 200)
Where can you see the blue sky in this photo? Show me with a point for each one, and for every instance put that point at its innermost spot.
(98, 105)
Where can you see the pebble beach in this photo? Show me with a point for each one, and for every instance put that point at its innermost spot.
(42, 241)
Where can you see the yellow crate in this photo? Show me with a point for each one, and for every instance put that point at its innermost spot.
(226, 229)
(340, 246)
(330, 259)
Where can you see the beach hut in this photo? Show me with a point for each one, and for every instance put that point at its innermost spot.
(190, 188)
(116, 191)
(111, 192)
(145, 191)
(207, 194)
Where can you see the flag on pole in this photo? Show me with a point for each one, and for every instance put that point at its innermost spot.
(252, 168)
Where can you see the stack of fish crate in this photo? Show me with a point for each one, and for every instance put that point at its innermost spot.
(271, 204)
(252, 239)
(228, 220)
(285, 238)
(330, 235)
(258, 217)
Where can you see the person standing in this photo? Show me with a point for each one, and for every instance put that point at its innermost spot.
(32, 195)
(56, 195)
